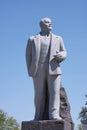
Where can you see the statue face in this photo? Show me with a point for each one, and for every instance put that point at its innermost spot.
(46, 25)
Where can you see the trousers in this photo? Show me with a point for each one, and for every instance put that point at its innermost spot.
(42, 82)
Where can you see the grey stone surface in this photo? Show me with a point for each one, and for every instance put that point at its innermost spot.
(44, 53)
(43, 125)
(46, 125)
(30, 125)
(64, 108)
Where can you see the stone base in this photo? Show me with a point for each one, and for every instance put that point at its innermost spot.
(84, 126)
(46, 125)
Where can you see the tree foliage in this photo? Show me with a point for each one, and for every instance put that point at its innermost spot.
(8, 123)
(79, 127)
(83, 113)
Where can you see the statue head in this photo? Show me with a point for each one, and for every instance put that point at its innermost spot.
(46, 25)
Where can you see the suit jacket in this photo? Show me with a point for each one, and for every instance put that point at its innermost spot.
(33, 54)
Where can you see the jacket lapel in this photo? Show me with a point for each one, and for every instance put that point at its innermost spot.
(53, 46)
(37, 46)
(53, 42)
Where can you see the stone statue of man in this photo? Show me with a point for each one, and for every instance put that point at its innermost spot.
(44, 53)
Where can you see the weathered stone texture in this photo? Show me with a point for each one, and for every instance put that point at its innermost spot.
(46, 125)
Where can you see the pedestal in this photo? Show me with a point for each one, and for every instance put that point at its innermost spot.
(84, 126)
(46, 125)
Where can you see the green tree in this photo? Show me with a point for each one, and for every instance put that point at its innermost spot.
(8, 123)
(83, 113)
(79, 127)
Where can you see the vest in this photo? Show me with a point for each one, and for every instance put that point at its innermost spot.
(44, 50)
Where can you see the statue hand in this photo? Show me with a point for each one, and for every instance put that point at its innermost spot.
(58, 57)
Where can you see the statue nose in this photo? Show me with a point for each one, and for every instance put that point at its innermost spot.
(50, 24)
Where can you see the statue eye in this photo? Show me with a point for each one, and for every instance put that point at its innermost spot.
(46, 22)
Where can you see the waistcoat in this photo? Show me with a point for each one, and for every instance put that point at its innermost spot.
(44, 49)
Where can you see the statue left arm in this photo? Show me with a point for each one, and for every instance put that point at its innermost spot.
(61, 55)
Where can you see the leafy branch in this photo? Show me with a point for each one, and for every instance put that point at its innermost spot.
(83, 113)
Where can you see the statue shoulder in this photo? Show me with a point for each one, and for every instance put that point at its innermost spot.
(60, 37)
(31, 38)
(57, 36)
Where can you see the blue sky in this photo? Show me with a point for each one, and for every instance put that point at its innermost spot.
(19, 19)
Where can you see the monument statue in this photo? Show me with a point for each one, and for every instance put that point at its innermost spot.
(44, 53)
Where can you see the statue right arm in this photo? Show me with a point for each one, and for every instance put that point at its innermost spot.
(29, 53)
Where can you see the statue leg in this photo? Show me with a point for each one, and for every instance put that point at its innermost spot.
(64, 107)
(40, 94)
(54, 96)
